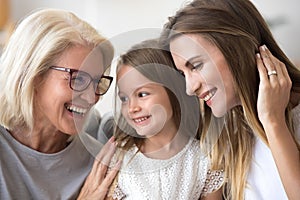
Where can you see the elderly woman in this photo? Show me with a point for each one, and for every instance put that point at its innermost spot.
(52, 73)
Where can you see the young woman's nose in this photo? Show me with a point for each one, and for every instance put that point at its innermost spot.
(193, 83)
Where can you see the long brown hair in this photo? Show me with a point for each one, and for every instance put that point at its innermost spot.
(157, 65)
(237, 29)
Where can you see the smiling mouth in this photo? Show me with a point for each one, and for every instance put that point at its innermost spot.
(208, 95)
(140, 119)
(76, 110)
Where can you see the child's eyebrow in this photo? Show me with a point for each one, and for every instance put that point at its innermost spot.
(146, 86)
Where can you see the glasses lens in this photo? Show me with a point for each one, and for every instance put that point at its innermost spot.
(103, 85)
(80, 81)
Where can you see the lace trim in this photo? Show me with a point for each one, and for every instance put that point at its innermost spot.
(118, 194)
(214, 180)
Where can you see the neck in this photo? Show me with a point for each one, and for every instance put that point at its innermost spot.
(42, 140)
(164, 145)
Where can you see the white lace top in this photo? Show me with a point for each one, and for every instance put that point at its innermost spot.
(263, 178)
(183, 176)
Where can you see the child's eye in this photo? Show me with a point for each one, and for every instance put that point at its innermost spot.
(123, 99)
(143, 94)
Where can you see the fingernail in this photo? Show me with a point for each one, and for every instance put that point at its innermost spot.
(258, 55)
(264, 47)
(112, 139)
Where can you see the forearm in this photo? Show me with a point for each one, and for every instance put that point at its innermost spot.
(286, 156)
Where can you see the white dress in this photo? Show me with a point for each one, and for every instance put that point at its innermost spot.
(263, 182)
(182, 176)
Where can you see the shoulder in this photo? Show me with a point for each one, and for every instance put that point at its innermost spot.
(195, 150)
(214, 181)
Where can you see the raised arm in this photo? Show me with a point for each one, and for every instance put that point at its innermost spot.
(273, 98)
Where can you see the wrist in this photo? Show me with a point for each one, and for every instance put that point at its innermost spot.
(275, 127)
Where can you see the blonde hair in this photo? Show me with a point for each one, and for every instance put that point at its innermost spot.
(37, 42)
(237, 29)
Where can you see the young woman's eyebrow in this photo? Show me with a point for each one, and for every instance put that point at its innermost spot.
(191, 60)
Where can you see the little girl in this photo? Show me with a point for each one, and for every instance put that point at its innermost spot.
(156, 131)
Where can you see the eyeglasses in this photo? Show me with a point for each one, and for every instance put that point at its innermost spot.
(80, 80)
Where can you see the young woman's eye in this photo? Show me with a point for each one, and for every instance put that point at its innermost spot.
(143, 94)
(197, 66)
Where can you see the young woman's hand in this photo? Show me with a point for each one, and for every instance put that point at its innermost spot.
(273, 97)
(99, 180)
(274, 88)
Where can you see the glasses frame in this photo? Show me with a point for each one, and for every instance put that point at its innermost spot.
(71, 71)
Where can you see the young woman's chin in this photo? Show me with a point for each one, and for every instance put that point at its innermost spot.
(220, 111)
(218, 108)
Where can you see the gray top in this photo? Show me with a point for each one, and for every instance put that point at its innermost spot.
(28, 174)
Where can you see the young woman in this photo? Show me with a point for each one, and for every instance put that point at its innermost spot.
(156, 131)
(231, 62)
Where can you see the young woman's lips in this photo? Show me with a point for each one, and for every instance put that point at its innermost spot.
(206, 96)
